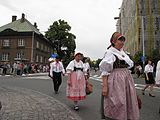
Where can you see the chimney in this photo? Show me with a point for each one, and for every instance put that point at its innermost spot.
(35, 25)
(14, 18)
(23, 17)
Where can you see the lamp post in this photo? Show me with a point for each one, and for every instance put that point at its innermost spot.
(143, 48)
(120, 29)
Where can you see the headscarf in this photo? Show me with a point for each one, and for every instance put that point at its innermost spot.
(114, 38)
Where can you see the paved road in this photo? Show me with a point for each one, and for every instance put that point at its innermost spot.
(90, 108)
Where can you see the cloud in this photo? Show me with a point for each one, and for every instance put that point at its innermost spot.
(6, 3)
(91, 20)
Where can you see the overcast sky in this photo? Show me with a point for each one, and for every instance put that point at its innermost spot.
(92, 21)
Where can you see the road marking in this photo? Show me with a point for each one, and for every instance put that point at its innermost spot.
(5, 75)
(37, 77)
(137, 86)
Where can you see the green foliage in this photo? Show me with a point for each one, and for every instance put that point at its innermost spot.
(155, 56)
(137, 57)
(95, 63)
(58, 33)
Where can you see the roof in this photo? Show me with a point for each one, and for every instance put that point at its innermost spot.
(20, 26)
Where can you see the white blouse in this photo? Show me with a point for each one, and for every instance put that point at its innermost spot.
(148, 68)
(86, 66)
(157, 79)
(106, 65)
(56, 67)
(73, 64)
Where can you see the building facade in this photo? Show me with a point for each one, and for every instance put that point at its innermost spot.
(135, 29)
(22, 41)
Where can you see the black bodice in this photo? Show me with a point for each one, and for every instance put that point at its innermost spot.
(76, 68)
(119, 63)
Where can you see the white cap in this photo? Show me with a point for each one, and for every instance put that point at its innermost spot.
(78, 52)
(51, 59)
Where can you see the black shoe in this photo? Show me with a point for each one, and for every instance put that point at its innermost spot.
(151, 95)
(76, 108)
(143, 92)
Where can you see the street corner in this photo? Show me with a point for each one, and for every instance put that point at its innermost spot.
(25, 104)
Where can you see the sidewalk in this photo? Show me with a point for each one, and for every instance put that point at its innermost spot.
(27, 75)
(24, 104)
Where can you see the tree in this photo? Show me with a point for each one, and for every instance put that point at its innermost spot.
(63, 41)
(155, 56)
(137, 57)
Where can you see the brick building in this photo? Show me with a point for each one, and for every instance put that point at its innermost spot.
(22, 41)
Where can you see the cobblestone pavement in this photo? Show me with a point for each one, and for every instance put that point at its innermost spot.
(24, 104)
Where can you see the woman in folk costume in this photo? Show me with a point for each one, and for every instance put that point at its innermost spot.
(118, 90)
(149, 78)
(76, 83)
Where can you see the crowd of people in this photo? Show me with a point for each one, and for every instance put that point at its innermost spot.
(20, 68)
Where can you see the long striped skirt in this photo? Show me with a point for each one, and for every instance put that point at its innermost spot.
(78, 89)
(121, 102)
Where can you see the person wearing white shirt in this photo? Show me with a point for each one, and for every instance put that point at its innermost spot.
(149, 78)
(56, 71)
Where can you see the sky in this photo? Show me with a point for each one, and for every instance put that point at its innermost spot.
(91, 21)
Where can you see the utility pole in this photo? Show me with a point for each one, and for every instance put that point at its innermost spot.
(143, 46)
(120, 26)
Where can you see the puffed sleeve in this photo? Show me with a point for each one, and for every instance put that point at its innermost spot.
(51, 70)
(106, 65)
(158, 66)
(146, 69)
(70, 67)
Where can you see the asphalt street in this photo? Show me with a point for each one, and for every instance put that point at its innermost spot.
(89, 108)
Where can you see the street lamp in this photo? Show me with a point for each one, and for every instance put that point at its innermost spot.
(115, 18)
(142, 25)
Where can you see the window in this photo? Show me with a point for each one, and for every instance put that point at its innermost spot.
(20, 55)
(48, 49)
(41, 46)
(36, 58)
(37, 44)
(20, 42)
(5, 56)
(5, 43)
(45, 48)
(41, 59)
